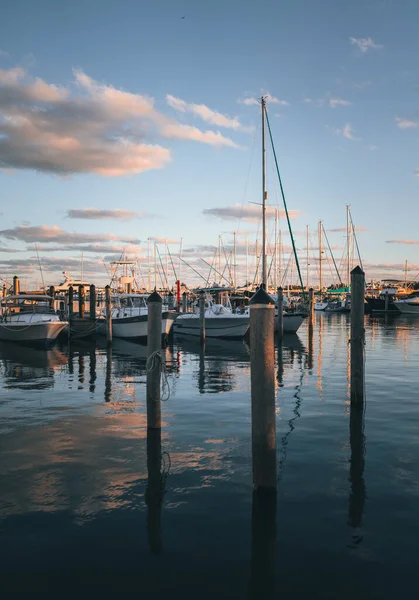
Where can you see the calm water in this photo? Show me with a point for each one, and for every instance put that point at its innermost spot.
(82, 510)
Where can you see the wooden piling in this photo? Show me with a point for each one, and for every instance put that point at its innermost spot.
(92, 303)
(178, 295)
(82, 301)
(202, 316)
(386, 304)
(170, 301)
(129, 287)
(184, 302)
(262, 321)
(52, 294)
(357, 334)
(16, 285)
(154, 332)
(4, 290)
(280, 314)
(70, 303)
(108, 314)
(311, 314)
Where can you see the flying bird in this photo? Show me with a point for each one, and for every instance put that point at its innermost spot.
(182, 17)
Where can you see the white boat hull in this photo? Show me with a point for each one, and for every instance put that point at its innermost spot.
(320, 306)
(31, 333)
(292, 322)
(224, 326)
(407, 308)
(135, 327)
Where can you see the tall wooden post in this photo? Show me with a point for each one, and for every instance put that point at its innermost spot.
(185, 302)
(262, 321)
(92, 303)
(4, 290)
(16, 285)
(154, 332)
(178, 295)
(357, 334)
(82, 301)
(202, 316)
(311, 305)
(280, 314)
(70, 304)
(108, 313)
(52, 295)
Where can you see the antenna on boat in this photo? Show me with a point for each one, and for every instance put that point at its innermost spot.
(40, 266)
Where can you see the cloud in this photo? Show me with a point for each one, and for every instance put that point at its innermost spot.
(3, 53)
(405, 123)
(334, 102)
(372, 147)
(95, 248)
(343, 229)
(85, 127)
(268, 97)
(162, 240)
(347, 133)
(206, 114)
(407, 242)
(97, 213)
(206, 249)
(247, 213)
(364, 44)
(188, 132)
(416, 172)
(53, 233)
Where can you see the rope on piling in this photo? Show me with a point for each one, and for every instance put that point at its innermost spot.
(152, 363)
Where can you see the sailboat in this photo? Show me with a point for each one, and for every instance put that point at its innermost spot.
(291, 321)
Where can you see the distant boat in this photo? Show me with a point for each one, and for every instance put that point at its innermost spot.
(130, 317)
(62, 288)
(29, 319)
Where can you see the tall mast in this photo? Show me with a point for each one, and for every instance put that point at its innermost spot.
(167, 264)
(405, 274)
(219, 258)
(247, 261)
(276, 251)
(320, 258)
(348, 241)
(280, 258)
(235, 261)
(307, 257)
(264, 195)
(149, 267)
(155, 265)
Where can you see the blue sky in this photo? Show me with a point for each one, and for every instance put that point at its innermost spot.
(345, 83)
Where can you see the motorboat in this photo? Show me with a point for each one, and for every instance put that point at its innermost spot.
(129, 315)
(220, 320)
(320, 305)
(30, 319)
(291, 321)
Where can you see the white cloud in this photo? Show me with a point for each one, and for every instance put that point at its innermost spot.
(406, 123)
(53, 233)
(205, 113)
(372, 147)
(86, 127)
(333, 102)
(347, 133)
(251, 101)
(98, 213)
(247, 213)
(407, 242)
(364, 44)
(416, 172)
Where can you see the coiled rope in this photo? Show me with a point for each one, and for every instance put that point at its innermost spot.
(155, 361)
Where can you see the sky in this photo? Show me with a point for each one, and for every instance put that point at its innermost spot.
(124, 121)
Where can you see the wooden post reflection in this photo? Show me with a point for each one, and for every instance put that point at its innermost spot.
(81, 367)
(262, 582)
(357, 464)
(201, 375)
(280, 359)
(92, 369)
(154, 491)
(70, 360)
(108, 375)
(310, 346)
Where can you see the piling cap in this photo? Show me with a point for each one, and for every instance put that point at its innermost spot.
(357, 271)
(261, 297)
(154, 297)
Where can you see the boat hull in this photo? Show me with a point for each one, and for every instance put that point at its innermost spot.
(224, 326)
(32, 333)
(408, 308)
(378, 305)
(320, 306)
(136, 327)
(292, 322)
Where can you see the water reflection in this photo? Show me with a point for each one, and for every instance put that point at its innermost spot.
(357, 494)
(29, 368)
(262, 578)
(155, 490)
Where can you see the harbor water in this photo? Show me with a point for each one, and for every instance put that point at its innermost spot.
(85, 508)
